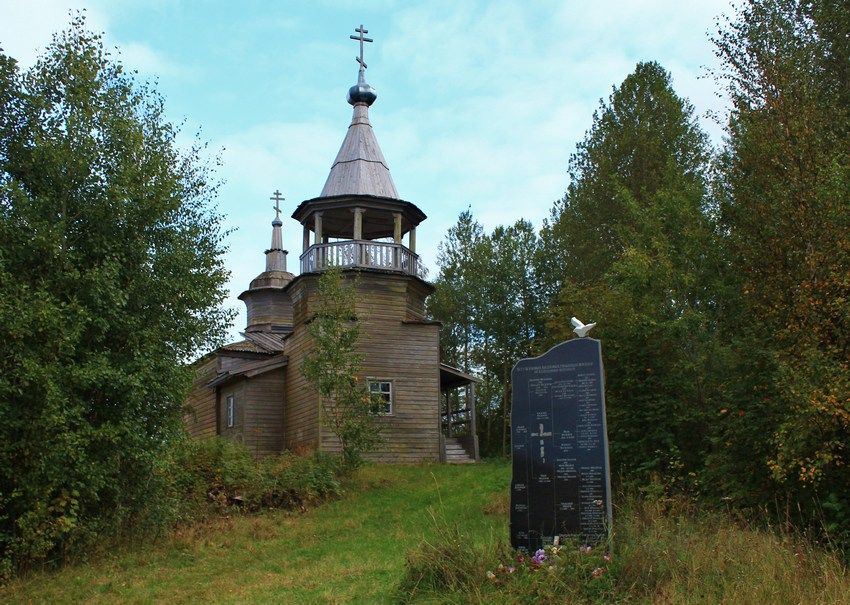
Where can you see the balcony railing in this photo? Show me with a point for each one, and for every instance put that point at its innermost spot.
(362, 253)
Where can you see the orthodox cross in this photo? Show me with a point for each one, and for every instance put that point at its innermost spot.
(360, 30)
(541, 434)
(278, 198)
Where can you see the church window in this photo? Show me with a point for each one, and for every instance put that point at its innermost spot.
(231, 411)
(382, 390)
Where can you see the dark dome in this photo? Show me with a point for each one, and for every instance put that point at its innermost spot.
(361, 93)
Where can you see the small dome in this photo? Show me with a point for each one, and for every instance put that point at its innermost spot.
(361, 92)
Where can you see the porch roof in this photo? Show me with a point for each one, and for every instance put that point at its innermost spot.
(451, 378)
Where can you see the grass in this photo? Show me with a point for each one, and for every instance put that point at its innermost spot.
(348, 551)
(663, 552)
(428, 534)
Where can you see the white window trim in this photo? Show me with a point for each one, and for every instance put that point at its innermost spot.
(372, 380)
(230, 411)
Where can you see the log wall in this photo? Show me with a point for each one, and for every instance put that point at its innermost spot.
(199, 412)
(405, 354)
(237, 388)
(264, 396)
(301, 412)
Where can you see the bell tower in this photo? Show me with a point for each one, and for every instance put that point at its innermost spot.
(359, 220)
(360, 223)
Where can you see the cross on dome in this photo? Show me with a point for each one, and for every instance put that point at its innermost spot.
(361, 30)
(277, 198)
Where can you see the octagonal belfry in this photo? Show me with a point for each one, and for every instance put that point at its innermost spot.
(359, 220)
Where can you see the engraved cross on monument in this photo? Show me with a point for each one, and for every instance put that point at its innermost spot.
(361, 30)
(540, 433)
(561, 478)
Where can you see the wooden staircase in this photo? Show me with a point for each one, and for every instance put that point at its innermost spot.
(455, 452)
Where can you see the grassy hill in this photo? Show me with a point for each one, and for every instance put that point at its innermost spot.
(443, 519)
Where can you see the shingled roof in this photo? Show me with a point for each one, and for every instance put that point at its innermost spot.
(360, 167)
(258, 342)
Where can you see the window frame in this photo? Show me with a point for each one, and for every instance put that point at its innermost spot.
(391, 401)
(230, 411)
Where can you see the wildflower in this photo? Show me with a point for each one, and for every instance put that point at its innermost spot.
(539, 557)
(491, 576)
(597, 572)
(584, 549)
(598, 503)
(555, 551)
(607, 557)
(511, 569)
(520, 557)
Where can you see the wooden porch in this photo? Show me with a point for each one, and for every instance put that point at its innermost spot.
(458, 425)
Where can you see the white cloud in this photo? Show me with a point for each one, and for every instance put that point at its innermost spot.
(147, 60)
(292, 157)
(28, 26)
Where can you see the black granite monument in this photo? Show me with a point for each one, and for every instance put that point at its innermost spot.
(561, 479)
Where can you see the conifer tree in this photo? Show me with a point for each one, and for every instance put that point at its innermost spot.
(458, 289)
(635, 250)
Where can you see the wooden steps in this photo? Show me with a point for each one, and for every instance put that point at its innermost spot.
(455, 454)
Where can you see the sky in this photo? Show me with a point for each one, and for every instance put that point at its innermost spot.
(480, 104)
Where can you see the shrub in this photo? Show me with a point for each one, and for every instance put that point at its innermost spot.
(219, 475)
(664, 551)
(193, 480)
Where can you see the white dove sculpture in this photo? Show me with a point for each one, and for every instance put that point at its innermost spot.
(581, 329)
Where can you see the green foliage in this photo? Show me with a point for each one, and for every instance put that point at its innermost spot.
(720, 281)
(333, 367)
(110, 278)
(351, 550)
(639, 257)
(458, 295)
(487, 299)
(784, 192)
(215, 476)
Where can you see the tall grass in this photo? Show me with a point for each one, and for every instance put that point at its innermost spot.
(662, 552)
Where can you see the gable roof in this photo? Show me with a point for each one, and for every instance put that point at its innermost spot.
(268, 343)
(249, 369)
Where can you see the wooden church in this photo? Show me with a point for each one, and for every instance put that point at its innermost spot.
(254, 391)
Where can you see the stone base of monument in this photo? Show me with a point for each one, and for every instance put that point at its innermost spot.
(561, 473)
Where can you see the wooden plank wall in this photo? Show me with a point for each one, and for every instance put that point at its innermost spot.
(405, 354)
(199, 413)
(269, 306)
(416, 295)
(238, 389)
(264, 413)
(301, 409)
